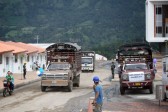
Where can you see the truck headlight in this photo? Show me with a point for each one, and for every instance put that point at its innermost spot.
(148, 76)
(65, 77)
(125, 77)
(43, 76)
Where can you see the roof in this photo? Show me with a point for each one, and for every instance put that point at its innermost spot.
(39, 49)
(30, 49)
(16, 50)
(4, 48)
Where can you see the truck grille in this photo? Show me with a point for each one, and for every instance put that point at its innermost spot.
(56, 76)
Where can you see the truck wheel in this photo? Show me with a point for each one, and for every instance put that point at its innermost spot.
(4, 92)
(151, 89)
(122, 90)
(78, 81)
(10, 92)
(70, 86)
(43, 88)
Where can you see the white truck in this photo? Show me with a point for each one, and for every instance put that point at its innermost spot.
(165, 76)
(88, 61)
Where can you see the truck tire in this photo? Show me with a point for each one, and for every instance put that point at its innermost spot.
(43, 88)
(4, 92)
(78, 81)
(151, 89)
(70, 86)
(122, 90)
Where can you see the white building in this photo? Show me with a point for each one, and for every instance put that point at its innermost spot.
(156, 20)
(14, 54)
(157, 23)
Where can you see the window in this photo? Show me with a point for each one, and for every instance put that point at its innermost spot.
(158, 10)
(0, 58)
(166, 29)
(27, 58)
(16, 58)
(32, 58)
(159, 29)
(37, 57)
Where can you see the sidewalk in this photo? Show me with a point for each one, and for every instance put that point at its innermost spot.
(19, 81)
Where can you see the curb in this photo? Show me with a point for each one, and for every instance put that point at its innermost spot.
(114, 80)
(23, 84)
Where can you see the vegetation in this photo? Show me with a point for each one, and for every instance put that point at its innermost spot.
(100, 25)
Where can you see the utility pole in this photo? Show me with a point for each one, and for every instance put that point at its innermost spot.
(37, 37)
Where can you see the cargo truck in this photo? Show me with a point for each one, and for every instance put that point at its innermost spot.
(136, 67)
(88, 61)
(63, 66)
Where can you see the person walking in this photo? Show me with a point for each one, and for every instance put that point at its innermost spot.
(24, 71)
(112, 69)
(98, 100)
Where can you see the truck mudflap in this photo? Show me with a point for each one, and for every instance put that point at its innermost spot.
(131, 85)
(54, 82)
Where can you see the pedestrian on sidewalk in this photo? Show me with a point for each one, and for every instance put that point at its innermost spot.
(112, 69)
(98, 100)
(24, 71)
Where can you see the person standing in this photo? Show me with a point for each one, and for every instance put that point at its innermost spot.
(24, 71)
(98, 100)
(112, 69)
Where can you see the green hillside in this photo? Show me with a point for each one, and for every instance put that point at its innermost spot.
(100, 25)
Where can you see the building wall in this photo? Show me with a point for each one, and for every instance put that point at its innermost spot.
(18, 64)
(42, 60)
(7, 61)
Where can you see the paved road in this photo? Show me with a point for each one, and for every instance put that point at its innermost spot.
(30, 98)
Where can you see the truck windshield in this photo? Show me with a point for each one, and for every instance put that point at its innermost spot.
(135, 67)
(56, 66)
(86, 60)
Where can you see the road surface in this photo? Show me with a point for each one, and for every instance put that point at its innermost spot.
(29, 98)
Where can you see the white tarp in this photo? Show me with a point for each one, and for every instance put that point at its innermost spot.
(136, 76)
(100, 57)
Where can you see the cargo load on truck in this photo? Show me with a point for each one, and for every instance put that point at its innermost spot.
(135, 67)
(63, 66)
(88, 61)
